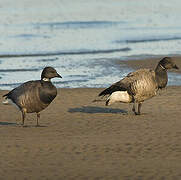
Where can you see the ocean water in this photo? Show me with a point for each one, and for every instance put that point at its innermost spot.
(83, 39)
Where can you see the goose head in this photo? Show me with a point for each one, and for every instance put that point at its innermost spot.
(161, 71)
(167, 63)
(49, 73)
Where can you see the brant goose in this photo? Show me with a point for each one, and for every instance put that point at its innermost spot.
(140, 85)
(34, 96)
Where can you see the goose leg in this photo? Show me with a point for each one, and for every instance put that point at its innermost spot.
(139, 108)
(134, 109)
(23, 111)
(38, 117)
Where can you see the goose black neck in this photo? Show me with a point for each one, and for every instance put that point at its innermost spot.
(161, 76)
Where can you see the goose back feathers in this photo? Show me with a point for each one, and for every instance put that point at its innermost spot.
(140, 85)
(34, 96)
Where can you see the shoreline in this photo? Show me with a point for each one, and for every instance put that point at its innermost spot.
(105, 74)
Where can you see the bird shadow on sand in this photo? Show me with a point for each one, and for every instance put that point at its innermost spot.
(32, 126)
(7, 124)
(95, 110)
(19, 125)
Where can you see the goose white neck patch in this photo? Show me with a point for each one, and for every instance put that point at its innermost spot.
(46, 79)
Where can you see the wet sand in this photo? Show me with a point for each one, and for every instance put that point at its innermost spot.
(150, 63)
(84, 140)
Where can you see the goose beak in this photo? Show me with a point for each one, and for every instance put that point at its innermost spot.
(58, 75)
(176, 67)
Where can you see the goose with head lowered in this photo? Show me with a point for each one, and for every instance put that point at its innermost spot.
(34, 96)
(140, 85)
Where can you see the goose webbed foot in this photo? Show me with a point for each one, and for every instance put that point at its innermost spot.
(137, 113)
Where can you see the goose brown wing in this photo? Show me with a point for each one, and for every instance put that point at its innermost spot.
(22, 89)
(122, 85)
(131, 83)
(24, 94)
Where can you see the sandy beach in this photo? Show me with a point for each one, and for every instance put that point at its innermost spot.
(80, 139)
(91, 44)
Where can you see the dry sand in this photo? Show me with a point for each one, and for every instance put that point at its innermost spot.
(84, 140)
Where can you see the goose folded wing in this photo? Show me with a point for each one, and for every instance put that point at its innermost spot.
(130, 82)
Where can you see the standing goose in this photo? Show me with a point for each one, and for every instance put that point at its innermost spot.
(140, 85)
(34, 96)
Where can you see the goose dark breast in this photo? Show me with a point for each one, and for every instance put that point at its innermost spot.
(47, 92)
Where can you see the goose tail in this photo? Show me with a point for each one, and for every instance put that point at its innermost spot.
(110, 90)
(105, 92)
(6, 101)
